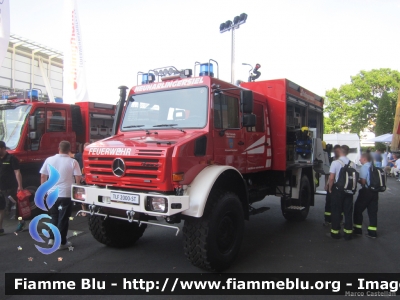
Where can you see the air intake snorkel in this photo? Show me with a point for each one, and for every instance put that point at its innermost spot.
(120, 108)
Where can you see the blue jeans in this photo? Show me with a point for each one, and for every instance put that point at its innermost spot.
(378, 164)
(60, 213)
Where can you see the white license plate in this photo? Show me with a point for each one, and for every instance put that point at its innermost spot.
(124, 197)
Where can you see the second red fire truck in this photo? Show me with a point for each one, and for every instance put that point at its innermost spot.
(202, 151)
(33, 128)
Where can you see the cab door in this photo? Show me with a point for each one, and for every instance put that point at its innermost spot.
(51, 129)
(37, 151)
(229, 137)
(258, 142)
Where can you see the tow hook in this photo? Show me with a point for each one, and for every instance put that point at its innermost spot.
(92, 207)
(130, 214)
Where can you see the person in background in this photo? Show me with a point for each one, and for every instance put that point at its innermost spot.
(378, 158)
(328, 211)
(340, 200)
(384, 159)
(396, 168)
(69, 170)
(390, 165)
(10, 183)
(367, 199)
(79, 158)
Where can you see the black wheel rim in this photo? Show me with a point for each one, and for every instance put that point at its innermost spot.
(226, 234)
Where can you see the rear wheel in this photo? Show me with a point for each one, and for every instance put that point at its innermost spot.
(115, 233)
(213, 241)
(303, 201)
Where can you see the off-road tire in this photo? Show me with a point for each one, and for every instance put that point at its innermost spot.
(213, 241)
(304, 200)
(115, 233)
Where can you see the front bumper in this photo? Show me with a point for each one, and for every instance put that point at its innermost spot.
(97, 196)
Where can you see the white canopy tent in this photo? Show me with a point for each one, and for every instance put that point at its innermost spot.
(384, 138)
(350, 139)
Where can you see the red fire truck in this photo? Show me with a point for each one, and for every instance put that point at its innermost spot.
(202, 150)
(32, 129)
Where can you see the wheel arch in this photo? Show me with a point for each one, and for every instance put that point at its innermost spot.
(218, 177)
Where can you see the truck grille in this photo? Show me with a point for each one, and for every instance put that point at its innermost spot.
(143, 169)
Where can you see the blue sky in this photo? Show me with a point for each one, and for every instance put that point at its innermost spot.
(318, 44)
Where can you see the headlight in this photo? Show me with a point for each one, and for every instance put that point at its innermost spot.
(157, 204)
(78, 193)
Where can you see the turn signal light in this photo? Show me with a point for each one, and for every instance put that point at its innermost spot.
(177, 176)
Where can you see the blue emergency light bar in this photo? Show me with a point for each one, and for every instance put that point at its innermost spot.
(33, 94)
(206, 69)
(148, 78)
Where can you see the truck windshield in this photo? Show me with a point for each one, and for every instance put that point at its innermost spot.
(12, 120)
(185, 108)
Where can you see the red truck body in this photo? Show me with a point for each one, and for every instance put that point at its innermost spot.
(203, 150)
(278, 92)
(172, 151)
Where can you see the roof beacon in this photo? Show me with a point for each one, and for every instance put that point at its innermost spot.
(148, 78)
(206, 69)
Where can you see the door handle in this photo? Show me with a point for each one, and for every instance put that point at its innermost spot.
(240, 143)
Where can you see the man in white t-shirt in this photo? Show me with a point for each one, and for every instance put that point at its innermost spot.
(384, 159)
(340, 201)
(70, 173)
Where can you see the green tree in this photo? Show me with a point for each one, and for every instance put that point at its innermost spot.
(385, 115)
(355, 106)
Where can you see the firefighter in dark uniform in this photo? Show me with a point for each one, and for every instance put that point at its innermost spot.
(367, 199)
(340, 200)
(328, 212)
(10, 182)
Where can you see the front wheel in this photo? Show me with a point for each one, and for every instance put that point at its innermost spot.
(115, 233)
(303, 201)
(213, 241)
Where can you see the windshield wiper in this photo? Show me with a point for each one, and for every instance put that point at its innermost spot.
(133, 126)
(170, 126)
(136, 126)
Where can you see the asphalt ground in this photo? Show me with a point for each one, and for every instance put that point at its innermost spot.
(270, 245)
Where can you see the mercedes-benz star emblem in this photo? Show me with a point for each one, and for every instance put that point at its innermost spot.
(118, 167)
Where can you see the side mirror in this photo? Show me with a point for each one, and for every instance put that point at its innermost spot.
(33, 135)
(247, 101)
(32, 123)
(249, 120)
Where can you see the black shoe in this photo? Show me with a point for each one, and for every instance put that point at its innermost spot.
(357, 231)
(371, 236)
(336, 236)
